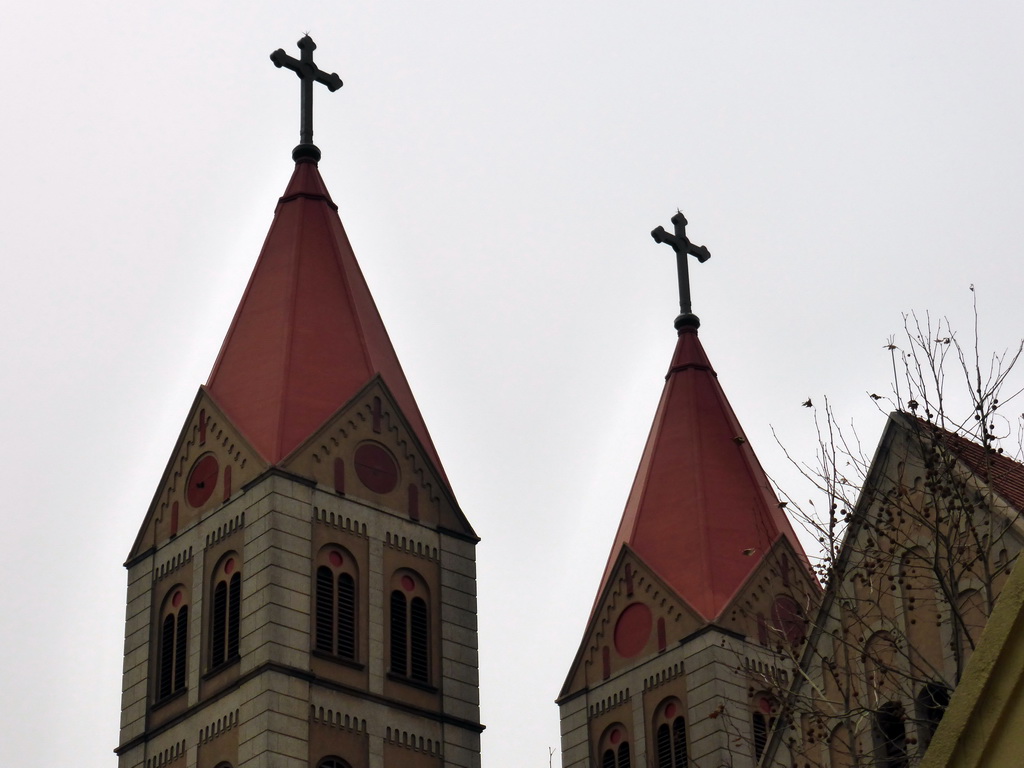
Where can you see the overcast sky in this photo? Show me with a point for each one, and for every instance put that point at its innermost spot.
(498, 166)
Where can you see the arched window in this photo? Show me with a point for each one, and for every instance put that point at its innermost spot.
(670, 735)
(332, 762)
(225, 612)
(890, 731)
(410, 627)
(172, 651)
(614, 747)
(335, 615)
(766, 710)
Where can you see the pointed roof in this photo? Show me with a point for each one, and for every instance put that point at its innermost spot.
(306, 336)
(700, 497)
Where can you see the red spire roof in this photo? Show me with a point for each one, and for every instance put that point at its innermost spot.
(306, 336)
(700, 497)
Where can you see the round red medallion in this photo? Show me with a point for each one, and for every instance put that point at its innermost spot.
(632, 630)
(376, 468)
(202, 480)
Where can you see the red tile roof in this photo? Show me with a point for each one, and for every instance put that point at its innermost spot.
(1005, 475)
(306, 336)
(700, 497)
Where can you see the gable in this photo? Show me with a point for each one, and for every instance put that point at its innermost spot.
(211, 463)
(637, 616)
(775, 605)
(368, 452)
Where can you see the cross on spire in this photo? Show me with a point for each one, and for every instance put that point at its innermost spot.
(307, 72)
(683, 247)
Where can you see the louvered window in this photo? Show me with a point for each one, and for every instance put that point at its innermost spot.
(167, 657)
(180, 646)
(324, 609)
(171, 652)
(234, 614)
(226, 613)
(419, 640)
(410, 640)
(219, 627)
(399, 634)
(760, 734)
(681, 758)
(762, 727)
(346, 616)
(335, 602)
(616, 758)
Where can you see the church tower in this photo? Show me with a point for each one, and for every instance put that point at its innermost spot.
(701, 609)
(302, 591)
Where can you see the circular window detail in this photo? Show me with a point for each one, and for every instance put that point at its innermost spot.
(632, 630)
(376, 468)
(202, 480)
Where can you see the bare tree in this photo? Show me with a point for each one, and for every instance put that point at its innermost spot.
(915, 544)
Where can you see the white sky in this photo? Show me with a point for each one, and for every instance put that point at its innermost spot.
(498, 166)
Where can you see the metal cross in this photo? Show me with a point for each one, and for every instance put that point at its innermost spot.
(307, 72)
(683, 247)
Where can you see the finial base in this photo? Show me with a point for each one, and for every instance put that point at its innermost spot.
(686, 320)
(306, 152)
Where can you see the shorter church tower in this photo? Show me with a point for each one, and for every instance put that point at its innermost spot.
(701, 608)
(302, 592)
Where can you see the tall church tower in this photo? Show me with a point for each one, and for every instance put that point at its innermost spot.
(700, 611)
(302, 591)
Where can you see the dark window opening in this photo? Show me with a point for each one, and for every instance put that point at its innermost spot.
(346, 616)
(419, 635)
(682, 758)
(671, 745)
(762, 727)
(623, 755)
(335, 631)
(171, 653)
(180, 645)
(931, 706)
(224, 623)
(324, 609)
(399, 634)
(891, 736)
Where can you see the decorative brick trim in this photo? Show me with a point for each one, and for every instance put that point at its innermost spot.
(411, 546)
(335, 719)
(168, 755)
(609, 702)
(411, 741)
(223, 531)
(670, 672)
(337, 520)
(171, 565)
(218, 726)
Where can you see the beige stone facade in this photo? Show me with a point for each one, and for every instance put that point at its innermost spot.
(279, 701)
(928, 551)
